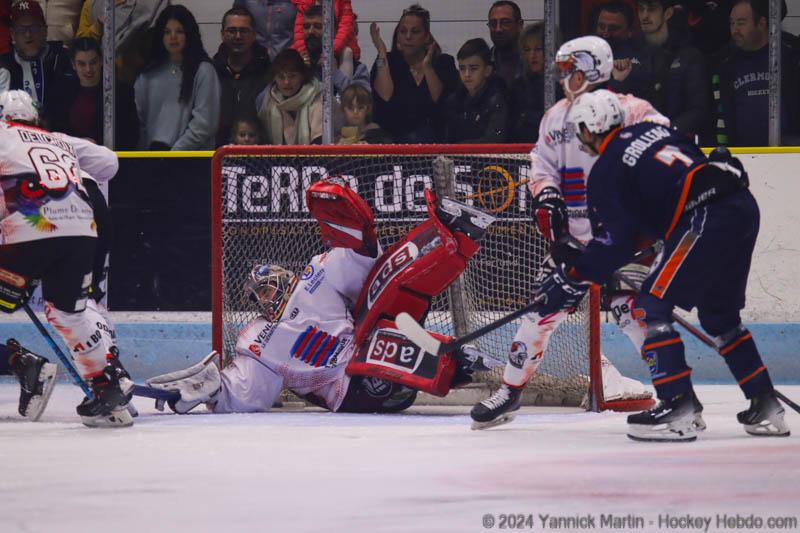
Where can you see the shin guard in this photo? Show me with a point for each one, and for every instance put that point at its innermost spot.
(663, 352)
(742, 357)
(87, 335)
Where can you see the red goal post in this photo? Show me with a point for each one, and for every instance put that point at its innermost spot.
(259, 214)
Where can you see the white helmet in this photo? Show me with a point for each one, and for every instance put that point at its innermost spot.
(269, 287)
(591, 55)
(598, 110)
(18, 105)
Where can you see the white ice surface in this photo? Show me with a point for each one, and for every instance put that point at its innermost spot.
(311, 471)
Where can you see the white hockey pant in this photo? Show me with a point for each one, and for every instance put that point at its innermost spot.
(87, 333)
(247, 387)
(533, 336)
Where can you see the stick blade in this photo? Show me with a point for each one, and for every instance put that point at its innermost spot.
(417, 333)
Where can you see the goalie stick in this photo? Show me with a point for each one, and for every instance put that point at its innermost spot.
(419, 336)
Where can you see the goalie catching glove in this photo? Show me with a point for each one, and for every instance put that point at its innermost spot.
(345, 219)
(559, 291)
(550, 214)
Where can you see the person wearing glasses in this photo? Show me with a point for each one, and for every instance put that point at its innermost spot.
(410, 83)
(243, 69)
(178, 94)
(35, 65)
(505, 26)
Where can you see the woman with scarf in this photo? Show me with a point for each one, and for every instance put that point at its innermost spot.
(290, 108)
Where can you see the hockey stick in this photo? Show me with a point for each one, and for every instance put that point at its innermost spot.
(76, 378)
(60, 354)
(419, 336)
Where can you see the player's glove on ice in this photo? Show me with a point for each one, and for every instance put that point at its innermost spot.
(559, 292)
(550, 213)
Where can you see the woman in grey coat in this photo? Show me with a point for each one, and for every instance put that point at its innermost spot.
(178, 94)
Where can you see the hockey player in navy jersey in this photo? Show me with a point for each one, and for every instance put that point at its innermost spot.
(651, 180)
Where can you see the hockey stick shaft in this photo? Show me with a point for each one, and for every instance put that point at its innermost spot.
(59, 353)
(156, 394)
(787, 401)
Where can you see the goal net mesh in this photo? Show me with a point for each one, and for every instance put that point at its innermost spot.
(261, 217)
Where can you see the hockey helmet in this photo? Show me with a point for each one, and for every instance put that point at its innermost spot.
(18, 105)
(591, 55)
(598, 110)
(269, 287)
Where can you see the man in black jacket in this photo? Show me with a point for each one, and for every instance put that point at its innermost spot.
(741, 81)
(243, 69)
(36, 66)
(666, 71)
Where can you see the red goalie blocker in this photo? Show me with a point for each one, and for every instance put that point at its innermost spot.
(406, 278)
(389, 355)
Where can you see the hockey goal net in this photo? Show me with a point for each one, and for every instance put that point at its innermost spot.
(259, 215)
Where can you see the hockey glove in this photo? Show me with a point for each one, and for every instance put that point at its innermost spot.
(550, 213)
(559, 291)
(345, 219)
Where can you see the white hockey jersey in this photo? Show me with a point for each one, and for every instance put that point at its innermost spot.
(311, 344)
(559, 160)
(40, 179)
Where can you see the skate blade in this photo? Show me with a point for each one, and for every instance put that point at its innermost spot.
(661, 433)
(499, 421)
(37, 404)
(119, 418)
(768, 428)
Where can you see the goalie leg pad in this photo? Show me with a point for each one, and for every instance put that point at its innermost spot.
(389, 355)
(248, 386)
(197, 384)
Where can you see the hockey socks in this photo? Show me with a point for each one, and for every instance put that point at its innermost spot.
(665, 358)
(743, 360)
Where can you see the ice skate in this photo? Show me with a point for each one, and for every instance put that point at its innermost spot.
(498, 409)
(108, 406)
(675, 420)
(37, 379)
(764, 417)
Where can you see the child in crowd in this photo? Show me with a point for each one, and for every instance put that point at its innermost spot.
(478, 111)
(357, 110)
(246, 131)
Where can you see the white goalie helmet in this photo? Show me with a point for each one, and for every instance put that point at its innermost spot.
(269, 287)
(590, 55)
(600, 111)
(18, 105)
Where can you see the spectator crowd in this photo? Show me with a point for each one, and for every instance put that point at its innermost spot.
(705, 65)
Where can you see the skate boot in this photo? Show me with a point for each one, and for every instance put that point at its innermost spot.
(764, 418)
(37, 378)
(497, 409)
(675, 420)
(464, 218)
(108, 406)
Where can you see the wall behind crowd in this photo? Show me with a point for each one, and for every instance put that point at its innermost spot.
(452, 22)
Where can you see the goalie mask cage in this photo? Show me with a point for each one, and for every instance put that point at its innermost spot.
(259, 215)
